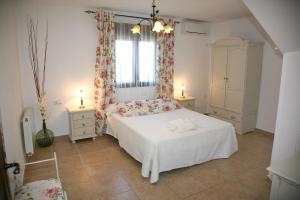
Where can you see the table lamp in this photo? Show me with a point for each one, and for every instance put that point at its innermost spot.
(182, 88)
(81, 94)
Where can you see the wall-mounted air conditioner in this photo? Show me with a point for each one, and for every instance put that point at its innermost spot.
(195, 27)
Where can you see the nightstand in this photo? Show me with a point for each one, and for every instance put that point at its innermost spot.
(187, 102)
(82, 123)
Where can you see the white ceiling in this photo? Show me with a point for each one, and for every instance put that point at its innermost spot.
(207, 10)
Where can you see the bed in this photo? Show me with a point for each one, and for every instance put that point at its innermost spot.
(148, 140)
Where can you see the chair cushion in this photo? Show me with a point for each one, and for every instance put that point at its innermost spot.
(41, 190)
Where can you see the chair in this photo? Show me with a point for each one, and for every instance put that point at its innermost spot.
(50, 189)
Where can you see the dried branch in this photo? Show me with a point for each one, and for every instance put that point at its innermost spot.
(32, 54)
(45, 59)
(32, 31)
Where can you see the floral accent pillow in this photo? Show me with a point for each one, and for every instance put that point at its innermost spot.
(133, 108)
(163, 105)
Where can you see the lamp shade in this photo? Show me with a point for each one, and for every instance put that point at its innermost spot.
(157, 26)
(168, 28)
(136, 29)
(182, 87)
(81, 94)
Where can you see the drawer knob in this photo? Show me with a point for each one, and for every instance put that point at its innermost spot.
(83, 132)
(83, 124)
(215, 112)
(82, 116)
(232, 117)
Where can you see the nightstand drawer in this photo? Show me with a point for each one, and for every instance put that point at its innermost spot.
(83, 123)
(188, 103)
(84, 131)
(82, 115)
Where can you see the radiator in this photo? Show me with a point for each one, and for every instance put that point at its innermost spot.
(28, 131)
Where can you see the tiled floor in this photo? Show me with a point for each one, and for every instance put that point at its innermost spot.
(100, 169)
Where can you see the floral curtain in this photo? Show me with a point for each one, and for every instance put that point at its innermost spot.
(165, 63)
(104, 67)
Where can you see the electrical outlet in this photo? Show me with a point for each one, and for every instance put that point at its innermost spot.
(57, 102)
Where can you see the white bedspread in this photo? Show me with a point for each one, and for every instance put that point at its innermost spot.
(149, 141)
(181, 125)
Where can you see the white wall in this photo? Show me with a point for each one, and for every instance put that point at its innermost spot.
(10, 88)
(283, 26)
(71, 59)
(271, 67)
(269, 90)
(192, 66)
(287, 137)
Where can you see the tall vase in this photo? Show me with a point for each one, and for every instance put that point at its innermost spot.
(45, 137)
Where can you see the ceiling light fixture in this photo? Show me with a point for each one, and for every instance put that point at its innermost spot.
(157, 24)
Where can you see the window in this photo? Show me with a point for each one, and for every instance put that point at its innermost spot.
(135, 57)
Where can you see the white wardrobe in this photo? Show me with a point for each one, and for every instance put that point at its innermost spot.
(235, 82)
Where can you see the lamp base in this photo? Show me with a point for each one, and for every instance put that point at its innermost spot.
(81, 103)
(82, 106)
(182, 94)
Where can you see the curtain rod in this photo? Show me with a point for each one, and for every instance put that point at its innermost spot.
(128, 16)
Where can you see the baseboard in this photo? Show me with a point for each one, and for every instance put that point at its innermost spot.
(263, 131)
(60, 134)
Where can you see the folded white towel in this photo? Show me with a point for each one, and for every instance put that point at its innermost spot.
(181, 125)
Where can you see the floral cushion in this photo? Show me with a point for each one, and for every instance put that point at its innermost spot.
(162, 105)
(41, 190)
(146, 107)
(133, 108)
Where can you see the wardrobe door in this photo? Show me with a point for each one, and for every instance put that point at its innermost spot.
(219, 63)
(235, 78)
